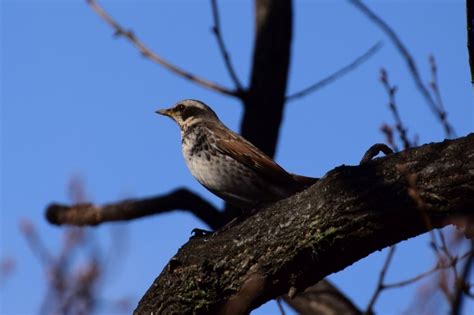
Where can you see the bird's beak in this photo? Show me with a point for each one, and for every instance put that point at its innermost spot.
(164, 112)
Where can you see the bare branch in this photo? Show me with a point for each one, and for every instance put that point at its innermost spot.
(391, 91)
(280, 306)
(380, 282)
(461, 284)
(323, 298)
(89, 214)
(336, 75)
(439, 266)
(148, 53)
(439, 113)
(216, 29)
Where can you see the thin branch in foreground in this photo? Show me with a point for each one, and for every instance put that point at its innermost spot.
(439, 266)
(89, 214)
(147, 52)
(462, 287)
(437, 93)
(216, 29)
(280, 306)
(336, 75)
(321, 297)
(380, 284)
(391, 91)
(410, 63)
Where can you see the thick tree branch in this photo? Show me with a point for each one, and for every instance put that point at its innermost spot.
(147, 52)
(265, 98)
(345, 216)
(336, 75)
(89, 214)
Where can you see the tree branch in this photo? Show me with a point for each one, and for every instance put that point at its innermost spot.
(435, 107)
(323, 298)
(147, 52)
(216, 29)
(265, 98)
(336, 75)
(348, 214)
(89, 214)
(470, 36)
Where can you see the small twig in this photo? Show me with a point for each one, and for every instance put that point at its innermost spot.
(461, 285)
(408, 59)
(36, 243)
(391, 91)
(380, 283)
(280, 306)
(373, 151)
(436, 91)
(447, 253)
(439, 265)
(336, 75)
(216, 29)
(388, 132)
(147, 52)
(89, 214)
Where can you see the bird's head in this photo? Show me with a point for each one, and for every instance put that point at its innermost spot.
(188, 112)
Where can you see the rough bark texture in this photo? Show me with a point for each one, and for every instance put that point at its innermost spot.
(348, 214)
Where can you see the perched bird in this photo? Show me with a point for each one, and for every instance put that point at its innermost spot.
(225, 163)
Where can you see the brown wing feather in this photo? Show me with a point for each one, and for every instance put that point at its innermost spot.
(241, 150)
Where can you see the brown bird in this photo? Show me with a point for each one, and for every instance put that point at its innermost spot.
(225, 163)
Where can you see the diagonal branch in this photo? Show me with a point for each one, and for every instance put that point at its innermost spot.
(89, 214)
(322, 298)
(336, 75)
(348, 214)
(380, 282)
(147, 52)
(216, 29)
(435, 108)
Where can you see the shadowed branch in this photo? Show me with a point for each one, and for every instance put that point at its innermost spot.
(89, 214)
(336, 75)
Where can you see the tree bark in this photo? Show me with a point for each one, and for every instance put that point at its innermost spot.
(286, 247)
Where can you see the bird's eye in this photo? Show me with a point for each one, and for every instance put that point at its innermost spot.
(180, 107)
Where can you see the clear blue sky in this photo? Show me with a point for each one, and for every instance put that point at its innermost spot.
(77, 101)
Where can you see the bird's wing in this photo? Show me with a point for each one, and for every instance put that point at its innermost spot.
(233, 145)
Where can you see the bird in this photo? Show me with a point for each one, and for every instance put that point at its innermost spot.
(228, 165)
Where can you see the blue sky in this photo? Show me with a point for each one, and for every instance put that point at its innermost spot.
(76, 101)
